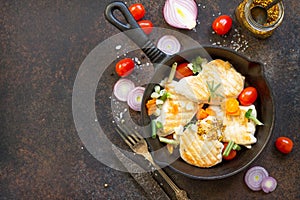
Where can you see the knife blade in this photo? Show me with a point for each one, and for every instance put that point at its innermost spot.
(142, 177)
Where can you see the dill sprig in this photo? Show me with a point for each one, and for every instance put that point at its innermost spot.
(213, 90)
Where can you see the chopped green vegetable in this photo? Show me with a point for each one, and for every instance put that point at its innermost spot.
(168, 141)
(197, 64)
(228, 148)
(157, 88)
(236, 147)
(153, 129)
(249, 115)
(160, 95)
(159, 125)
(165, 96)
(172, 73)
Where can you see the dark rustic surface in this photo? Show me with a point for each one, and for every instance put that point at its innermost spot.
(43, 44)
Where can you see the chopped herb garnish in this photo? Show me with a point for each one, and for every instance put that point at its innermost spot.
(249, 115)
(197, 64)
(213, 90)
(165, 96)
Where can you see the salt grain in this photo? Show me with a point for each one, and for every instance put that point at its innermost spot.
(118, 47)
(137, 61)
(238, 42)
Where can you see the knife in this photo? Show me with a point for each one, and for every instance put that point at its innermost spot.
(142, 177)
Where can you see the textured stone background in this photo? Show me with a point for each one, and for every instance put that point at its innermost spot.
(43, 44)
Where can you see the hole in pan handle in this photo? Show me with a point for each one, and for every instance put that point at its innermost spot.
(133, 30)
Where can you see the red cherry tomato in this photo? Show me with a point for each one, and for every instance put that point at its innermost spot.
(222, 24)
(124, 67)
(146, 25)
(248, 96)
(137, 10)
(231, 155)
(183, 70)
(284, 144)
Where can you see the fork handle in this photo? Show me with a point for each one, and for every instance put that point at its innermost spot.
(180, 194)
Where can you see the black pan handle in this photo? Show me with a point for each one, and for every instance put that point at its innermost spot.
(133, 31)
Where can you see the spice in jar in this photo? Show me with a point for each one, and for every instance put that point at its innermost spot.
(275, 17)
(273, 12)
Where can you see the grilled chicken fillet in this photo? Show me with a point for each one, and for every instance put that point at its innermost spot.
(217, 80)
(176, 111)
(201, 148)
(237, 128)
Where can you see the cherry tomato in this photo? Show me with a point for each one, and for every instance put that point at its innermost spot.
(284, 144)
(222, 24)
(137, 10)
(183, 70)
(124, 67)
(146, 25)
(248, 96)
(231, 155)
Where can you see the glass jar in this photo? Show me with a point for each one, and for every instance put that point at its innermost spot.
(262, 31)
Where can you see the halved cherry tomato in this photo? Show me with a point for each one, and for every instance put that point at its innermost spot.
(232, 153)
(183, 70)
(248, 96)
(146, 25)
(284, 144)
(124, 67)
(137, 10)
(222, 24)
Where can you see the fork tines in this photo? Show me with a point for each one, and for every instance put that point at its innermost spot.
(130, 136)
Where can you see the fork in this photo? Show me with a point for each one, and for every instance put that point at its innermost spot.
(139, 145)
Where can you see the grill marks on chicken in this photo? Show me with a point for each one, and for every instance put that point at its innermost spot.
(202, 148)
(176, 111)
(217, 80)
(201, 144)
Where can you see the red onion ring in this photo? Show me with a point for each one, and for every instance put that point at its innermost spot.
(122, 88)
(135, 97)
(269, 184)
(254, 177)
(169, 44)
(181, 13)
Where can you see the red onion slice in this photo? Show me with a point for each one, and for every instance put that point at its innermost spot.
(268, 184)
(122, 88)
(181, 13)
(135, 97)
(169, 44)
(254, 177)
